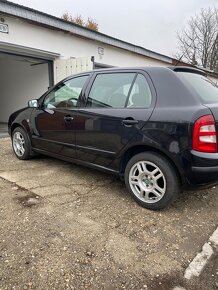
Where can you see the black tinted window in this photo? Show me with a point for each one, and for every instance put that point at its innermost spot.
(110, 90)
(205, 88)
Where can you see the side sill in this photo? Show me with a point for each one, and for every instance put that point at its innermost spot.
(77, 161)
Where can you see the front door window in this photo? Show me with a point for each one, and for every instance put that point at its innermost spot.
(66, 94)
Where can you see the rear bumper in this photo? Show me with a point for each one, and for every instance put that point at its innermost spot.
(204, 168)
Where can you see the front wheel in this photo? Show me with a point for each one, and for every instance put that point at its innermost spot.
(21, 144)
(151, 180)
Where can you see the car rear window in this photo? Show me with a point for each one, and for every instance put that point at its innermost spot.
(206, 89)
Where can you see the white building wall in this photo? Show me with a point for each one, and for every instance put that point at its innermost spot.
(70, 46)
(20, 82)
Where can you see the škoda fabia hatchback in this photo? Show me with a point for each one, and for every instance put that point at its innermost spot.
(155, 127)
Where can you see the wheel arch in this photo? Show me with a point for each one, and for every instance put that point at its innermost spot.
(24, 125)
(14, 126)
(128, 154)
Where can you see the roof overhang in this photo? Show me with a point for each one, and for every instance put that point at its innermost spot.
(11, 48)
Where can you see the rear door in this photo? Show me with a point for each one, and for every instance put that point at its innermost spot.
(118, 104)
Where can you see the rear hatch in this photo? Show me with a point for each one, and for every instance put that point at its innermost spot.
(205, 90)
(205, 130)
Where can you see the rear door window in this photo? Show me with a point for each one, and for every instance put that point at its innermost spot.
(120, 90)
(140, 96)
(110, 90)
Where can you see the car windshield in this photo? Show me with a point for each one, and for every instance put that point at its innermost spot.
(206, 89)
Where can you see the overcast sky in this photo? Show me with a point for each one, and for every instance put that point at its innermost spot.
(152, 24)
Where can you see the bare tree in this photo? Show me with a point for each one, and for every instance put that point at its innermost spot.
(90, 23)
(198, 42)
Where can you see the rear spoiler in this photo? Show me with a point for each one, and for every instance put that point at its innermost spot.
(188, 69)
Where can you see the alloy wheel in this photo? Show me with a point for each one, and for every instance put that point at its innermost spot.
(147, 181)
(18, 144)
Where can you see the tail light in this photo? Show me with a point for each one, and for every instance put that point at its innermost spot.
(204, 135)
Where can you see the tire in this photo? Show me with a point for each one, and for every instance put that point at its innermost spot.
(21, 144)
(151, 180)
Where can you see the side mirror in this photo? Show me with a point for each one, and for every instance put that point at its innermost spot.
(33, 104)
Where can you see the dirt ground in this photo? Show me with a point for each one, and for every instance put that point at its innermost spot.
(68, 227)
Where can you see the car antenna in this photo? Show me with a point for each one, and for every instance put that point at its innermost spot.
(178, 60)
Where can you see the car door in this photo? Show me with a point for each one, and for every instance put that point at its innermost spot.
(118, 105)
(52, 122)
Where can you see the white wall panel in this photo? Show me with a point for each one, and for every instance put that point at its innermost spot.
(67, 67)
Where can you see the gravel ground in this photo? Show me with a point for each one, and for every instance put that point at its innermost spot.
(69, 227)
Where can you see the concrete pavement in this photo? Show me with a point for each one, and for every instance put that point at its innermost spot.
(69, 227)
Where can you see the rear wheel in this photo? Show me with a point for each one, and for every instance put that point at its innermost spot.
(151, 180)
(21, 144)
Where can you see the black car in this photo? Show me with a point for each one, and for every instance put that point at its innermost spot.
(155, 127)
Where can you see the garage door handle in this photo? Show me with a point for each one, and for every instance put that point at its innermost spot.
(130, 122)
(68, 119)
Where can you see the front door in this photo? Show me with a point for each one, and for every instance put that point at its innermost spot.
(53, 122)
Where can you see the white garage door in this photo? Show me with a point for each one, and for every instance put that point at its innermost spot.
(21, 79)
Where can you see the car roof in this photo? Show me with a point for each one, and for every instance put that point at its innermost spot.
(142, 68)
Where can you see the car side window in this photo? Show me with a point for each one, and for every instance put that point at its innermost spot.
(110, 90)
(140, 96)
(66, 94)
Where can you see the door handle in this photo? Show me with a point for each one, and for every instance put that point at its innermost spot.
(129, 122)
(68, 119)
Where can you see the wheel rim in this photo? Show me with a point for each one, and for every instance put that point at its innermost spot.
(18, 144)
(147, 181)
